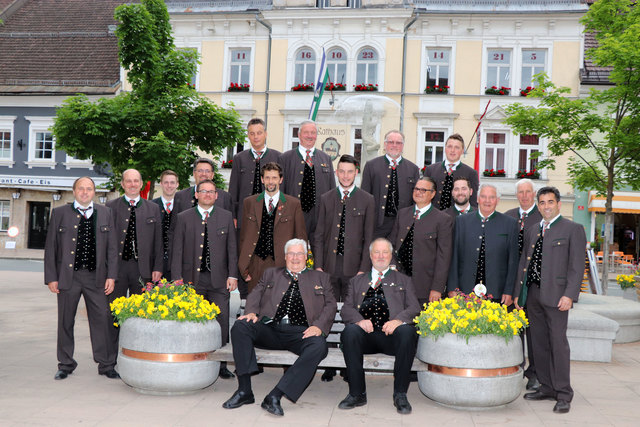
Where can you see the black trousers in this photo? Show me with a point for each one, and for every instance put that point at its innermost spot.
(548, 328)
(530, 372)
(356, 343)
(246, 336)
(128, 279)
(219, 295)
(385, 229)
(339, 282)
(100, 322)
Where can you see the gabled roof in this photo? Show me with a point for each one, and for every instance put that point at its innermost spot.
(59, 46)
(591, 74)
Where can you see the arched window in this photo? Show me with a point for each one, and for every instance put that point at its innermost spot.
(367, 66)
(305, 66)
(337, 65)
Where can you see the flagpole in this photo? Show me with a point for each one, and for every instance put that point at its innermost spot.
(476, 160)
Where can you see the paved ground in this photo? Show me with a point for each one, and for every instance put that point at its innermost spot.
(605, 394)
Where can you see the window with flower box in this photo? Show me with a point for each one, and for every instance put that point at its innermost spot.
(437, 70)
(337, 65)
(498, 68)
(5, 144)
(533, 62)
(529, 145)
(305, 66)
(367, 67)
(495, 150)
(240, 68)
(433, 146)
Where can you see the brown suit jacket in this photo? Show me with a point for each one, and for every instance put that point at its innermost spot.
(315, 289)
(375, 181)
(438, 172)
(184, 199)
(60, 246)
(242, 174)
(532, 220)
(148, 232)
(358, 226)
(398, 291)
(188, 242)
(289, 224)
(563, 261)
(432, 247)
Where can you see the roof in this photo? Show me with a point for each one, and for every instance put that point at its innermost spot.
(59, 46)
(591, 74)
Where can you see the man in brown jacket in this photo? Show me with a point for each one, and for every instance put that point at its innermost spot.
(204, 253)
(81, 258)
(292, 308)
(271, 218)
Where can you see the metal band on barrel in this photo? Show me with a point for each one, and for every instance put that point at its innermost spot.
(164, 357)
(473, 373)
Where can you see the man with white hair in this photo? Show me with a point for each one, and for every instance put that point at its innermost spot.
(292, 308)
(485, 249)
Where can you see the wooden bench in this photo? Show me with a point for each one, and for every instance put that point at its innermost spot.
(334, 359)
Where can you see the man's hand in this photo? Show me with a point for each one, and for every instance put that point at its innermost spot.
(53, 287)
(452, 294)
(565, 304)
(359, 273)
(506, 299)
(232, 284)
(235, 223)
(249, 317)
(366, 325)
(109, 284)
(156, 275)
(247, 278)
(434, 296)
(515, 302)
(311, 331)
(391, 326)
(319, 269)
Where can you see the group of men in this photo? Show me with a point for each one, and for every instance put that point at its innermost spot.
(441, 229)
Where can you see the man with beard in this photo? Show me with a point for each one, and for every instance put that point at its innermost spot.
(186, 199)
(461, 195)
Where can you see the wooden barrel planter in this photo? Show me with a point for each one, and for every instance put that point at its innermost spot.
(483, 373)
(168, 357)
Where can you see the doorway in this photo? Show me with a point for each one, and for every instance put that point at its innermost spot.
(38, 224)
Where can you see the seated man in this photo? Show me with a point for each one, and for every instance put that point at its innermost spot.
(378, 314)
(291, 308)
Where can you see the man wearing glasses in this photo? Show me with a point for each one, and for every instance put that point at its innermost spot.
(423, 238)
(185, 199)
(390, 179)
(205, 253)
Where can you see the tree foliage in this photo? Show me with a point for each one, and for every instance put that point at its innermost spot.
(163, 121)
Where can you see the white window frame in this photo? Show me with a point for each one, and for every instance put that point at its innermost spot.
(425, 62)
(540, 147)
(523, 85)
(508, 137)
(6, 125)
(335, 63)
(314, 62)
(355, 141)
(424, 143)
(377, 62)
(71, 163)
(509, 82)
(5, 207)
(249, 63)
(37, 125)
(196, 76)
(516, 46)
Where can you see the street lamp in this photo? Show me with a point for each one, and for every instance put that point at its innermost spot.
(57, 196)
(16, 194)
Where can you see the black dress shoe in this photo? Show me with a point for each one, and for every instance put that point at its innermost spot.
(271, 404)
(238, 399)
(328, 375)
(351, 401)
(538, 395)
(562, 407)
(533, 384)
(61, 374)
(225, 373)
(111, 373)
(401, 403)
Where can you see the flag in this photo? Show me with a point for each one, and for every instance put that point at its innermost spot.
(477, 133)
(323, 77)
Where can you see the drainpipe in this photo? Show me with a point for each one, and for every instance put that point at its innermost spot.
(266, 93)
(404, 66)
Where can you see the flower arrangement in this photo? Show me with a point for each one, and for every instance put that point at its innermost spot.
(309, 259)
(335, 86)
(227, 164)
(363, 87)
(491, 172)
(236, 87)
(525, 91)
(533, 174)
(437, 89)
(494, 90)
(303, 87)
(165, 300)
(469, 315)
(626, 281)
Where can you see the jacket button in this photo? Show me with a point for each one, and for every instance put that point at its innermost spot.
(73, 239)
(198, 269)
(122, 242)
(202, 234)
(71, 252)
(201, 246)
(127, 219)
(71, 265)
(75, 226)
(119, 253)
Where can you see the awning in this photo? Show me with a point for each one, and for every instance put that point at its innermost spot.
(623, 202)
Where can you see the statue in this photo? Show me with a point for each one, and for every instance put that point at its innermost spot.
(370, 144)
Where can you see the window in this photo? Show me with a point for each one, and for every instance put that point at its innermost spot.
(6, 140)
(438, 67)
(5, 144)
(495, 147)
(44, 145)
(295, 140)
(367, 66)
(529, 144)
(337, 65)
(4, 214)
(357, 144)
(533, 62)
(498, 68)
(240, 66)
(305, 66)
(433, 147)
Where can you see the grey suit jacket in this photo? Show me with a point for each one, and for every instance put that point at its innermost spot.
(563, 261)
(60, 246)
(358, 226)
(315, 289)
(185, 199)
(398, 291)
(533, 219)
(375, 181)
(501, 254)
(242, 174)
(148, 232)
(438, 172)
(453, 212)
(188, 242)
(432, 247)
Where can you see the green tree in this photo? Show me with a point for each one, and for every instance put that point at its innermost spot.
(163, 121)
(602, 130)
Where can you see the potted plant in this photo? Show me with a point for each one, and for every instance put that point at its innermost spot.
(532, 174)
(494, 90)
(165, 335)
(236, 87)
(627, 283)
(472, 347)
(227, 164)
(437, 89)
(525, 91)
(303, 87)
(364, 87)
(335, 87)
(494, 173)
